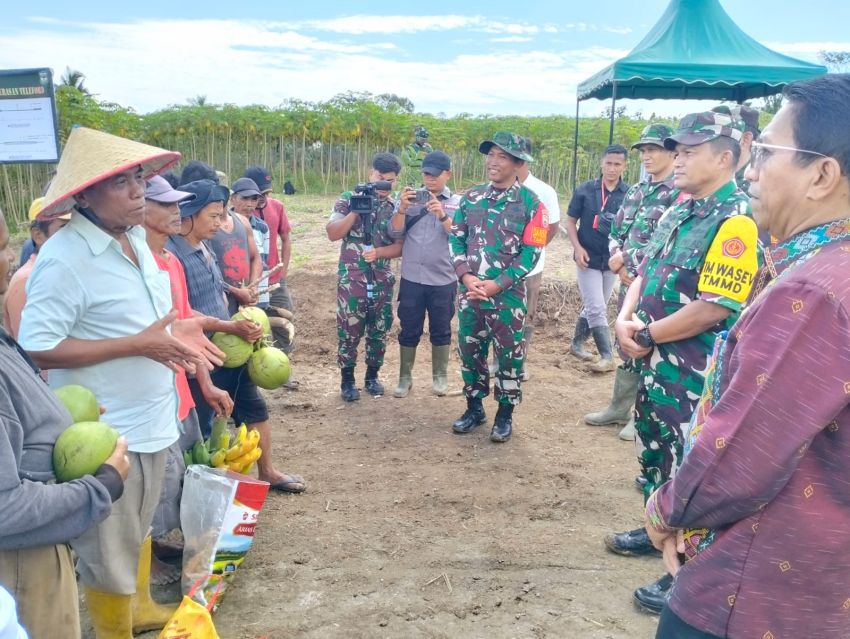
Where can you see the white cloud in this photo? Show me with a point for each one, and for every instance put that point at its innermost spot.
(512, 39)
(150, 64)
(807, 50)
(362, 24)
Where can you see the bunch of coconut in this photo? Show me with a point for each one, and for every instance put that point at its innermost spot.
(85, 445)
(268, 367)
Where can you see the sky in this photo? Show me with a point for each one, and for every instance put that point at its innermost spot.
(496, 57)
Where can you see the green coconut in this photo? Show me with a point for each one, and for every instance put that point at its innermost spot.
(236, 350)
(82, 448)
(268, 368)
(80, 402)
(256, 315)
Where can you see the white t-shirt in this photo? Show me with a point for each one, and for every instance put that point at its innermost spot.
(549, 197)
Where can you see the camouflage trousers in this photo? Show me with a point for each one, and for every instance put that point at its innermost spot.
(477, 328)
(358, 317)
(668, 394)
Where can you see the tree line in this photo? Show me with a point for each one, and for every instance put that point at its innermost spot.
(322, 147)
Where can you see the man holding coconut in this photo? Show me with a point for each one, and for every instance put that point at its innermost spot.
(200, 221)
(99, 314)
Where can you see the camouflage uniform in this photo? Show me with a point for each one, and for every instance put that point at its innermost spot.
(642, 207)
(750, 118)
(680, 267)
(411, 159)
(356, 314)
(487, 240)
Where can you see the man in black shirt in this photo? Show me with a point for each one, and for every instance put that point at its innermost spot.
(592, 209)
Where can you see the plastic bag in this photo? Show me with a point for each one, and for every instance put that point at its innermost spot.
(218, 512)
(191, 620)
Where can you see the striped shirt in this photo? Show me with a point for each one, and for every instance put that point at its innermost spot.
(203, 277)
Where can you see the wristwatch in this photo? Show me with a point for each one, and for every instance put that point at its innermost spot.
(644, 338)
(444, 218)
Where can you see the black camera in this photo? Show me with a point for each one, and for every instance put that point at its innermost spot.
(364, 200)
(423, 196)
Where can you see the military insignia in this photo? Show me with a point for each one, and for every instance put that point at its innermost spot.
(734, 248)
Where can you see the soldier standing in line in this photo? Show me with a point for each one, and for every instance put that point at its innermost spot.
(750, 117)
(496, 237)
(365, 279)
(412, 157)
(698, 270)
(634, 224)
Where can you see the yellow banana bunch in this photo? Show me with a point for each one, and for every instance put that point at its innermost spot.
(243, 463)
(217, 459)
(245, 443)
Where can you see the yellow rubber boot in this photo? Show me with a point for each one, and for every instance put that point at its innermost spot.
(110, 614)
(147, 614)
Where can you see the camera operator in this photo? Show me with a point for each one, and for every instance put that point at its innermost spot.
(428, 281)
(365, 279)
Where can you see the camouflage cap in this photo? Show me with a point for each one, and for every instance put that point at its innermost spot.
(526, 147)
(748, 114)
(420, 132)
(653, 134)
(698, 128)
(510, 143)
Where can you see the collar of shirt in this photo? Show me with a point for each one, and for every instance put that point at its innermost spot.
(621, 185)
(704, 206)
(181, 248)
(511, 193)
(96, 238)
(445, 194)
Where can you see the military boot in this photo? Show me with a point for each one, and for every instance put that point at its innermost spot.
(619, 411)
(348, 390)
(407, 356)
(373, 386)
(472, 417)
(580, 336)
(503, 424)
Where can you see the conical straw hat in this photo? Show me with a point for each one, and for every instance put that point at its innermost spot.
(90, 156)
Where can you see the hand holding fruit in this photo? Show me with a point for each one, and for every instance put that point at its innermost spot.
(118, 459)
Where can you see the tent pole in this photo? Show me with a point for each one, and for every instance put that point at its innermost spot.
(613, 106)
(575, 149)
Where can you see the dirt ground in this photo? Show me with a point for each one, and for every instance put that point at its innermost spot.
(408, 530)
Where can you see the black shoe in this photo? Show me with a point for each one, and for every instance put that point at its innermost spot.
(502, 426)
(632, 543)
(653, 597)
(348, 390)
(473, 416)
(373, 386)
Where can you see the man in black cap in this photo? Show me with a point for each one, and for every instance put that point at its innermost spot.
(423, 219)
(273, 213)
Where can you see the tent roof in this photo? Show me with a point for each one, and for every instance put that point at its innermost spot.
(696, 51)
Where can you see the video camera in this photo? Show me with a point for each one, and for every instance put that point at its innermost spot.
(364, 200)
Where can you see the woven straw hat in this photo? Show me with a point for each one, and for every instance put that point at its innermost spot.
(90, 156)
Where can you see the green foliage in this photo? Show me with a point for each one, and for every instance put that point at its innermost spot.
(326, 147)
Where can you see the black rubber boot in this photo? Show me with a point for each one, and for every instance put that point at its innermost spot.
(348, 390)
(373, 386)
(503, 425)
(473, 416)
(602, 337)
(577, 348)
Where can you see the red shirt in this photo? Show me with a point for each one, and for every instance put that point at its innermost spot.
(275, 216)
(180, 302)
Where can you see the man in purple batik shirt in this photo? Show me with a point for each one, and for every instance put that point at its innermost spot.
(767, 478)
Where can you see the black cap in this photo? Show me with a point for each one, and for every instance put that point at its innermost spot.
(245, 187)
(436, 162)
(205, 191)
(261, 177)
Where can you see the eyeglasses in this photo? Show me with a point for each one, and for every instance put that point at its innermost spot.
(761, 152)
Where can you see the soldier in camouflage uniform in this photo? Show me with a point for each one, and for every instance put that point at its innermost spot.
(750, 117)
(497, 233)
(634, 224)
(362, 267)
(698, 270)
(412, 157)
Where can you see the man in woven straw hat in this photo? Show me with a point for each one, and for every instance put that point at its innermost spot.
(99, 314)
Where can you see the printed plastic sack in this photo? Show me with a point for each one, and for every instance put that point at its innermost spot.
(218, 512)
(191, 620)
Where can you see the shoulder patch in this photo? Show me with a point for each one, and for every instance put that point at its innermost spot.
(732, 260)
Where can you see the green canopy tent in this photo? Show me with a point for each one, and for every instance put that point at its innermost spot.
(695, 51)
